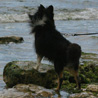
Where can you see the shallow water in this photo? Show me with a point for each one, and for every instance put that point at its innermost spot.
(13, 21)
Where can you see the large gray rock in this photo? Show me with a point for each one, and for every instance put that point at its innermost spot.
(6, 40)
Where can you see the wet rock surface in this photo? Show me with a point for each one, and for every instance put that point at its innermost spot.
(37, 85)
(31, 91)
(26, 91)
(92, 87)
(35, 91)
(8, 39)
(91, 91)
(24, 72)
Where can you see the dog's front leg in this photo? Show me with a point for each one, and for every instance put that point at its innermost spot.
(39, 58)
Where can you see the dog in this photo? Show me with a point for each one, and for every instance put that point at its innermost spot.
(50, 43)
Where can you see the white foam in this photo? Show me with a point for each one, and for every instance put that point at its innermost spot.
(13, 18)
(89, 13)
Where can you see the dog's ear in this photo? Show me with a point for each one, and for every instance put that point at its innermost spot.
(50, 12)
(30, 16)
(50, 9)
(41, 8)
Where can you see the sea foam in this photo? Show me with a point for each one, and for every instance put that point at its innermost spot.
(89, 14)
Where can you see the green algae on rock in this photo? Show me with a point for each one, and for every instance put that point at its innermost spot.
(23, 72)
(6, 40)
(88, 74)
(14, 74)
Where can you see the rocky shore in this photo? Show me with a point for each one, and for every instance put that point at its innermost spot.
(35, 91)
(13, 72)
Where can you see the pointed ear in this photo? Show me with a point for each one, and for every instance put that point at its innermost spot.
(30, 16)
(50, 8)
(41, 7)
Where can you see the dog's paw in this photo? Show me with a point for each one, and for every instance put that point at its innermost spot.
(56, 90)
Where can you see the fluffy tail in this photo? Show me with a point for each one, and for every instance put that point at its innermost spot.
(73, 52)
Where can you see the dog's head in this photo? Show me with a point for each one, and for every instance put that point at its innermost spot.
(42, 15)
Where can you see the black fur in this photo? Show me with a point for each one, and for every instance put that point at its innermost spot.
(51, 44)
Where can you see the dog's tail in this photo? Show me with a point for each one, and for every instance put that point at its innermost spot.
(73, 52)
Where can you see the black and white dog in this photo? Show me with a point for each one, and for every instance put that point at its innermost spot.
(49, 43)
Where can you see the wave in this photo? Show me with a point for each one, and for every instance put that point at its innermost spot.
(87, 14)
(13, 18)
(77, 14)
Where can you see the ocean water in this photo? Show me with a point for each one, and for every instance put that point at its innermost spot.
(16, 10)
(71, 17)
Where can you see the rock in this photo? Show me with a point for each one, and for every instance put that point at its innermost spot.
(83, 95)
(6, 40)
(26, 91)
(80, 95)
(28, 82)
(35, 90)
(92, 96)
(31, 91)
(92, 87)
(24, 73)
(91, 91)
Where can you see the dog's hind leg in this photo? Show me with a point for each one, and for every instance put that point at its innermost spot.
(59, 71)
(76, 77)
(60, 80)
(39, 58)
